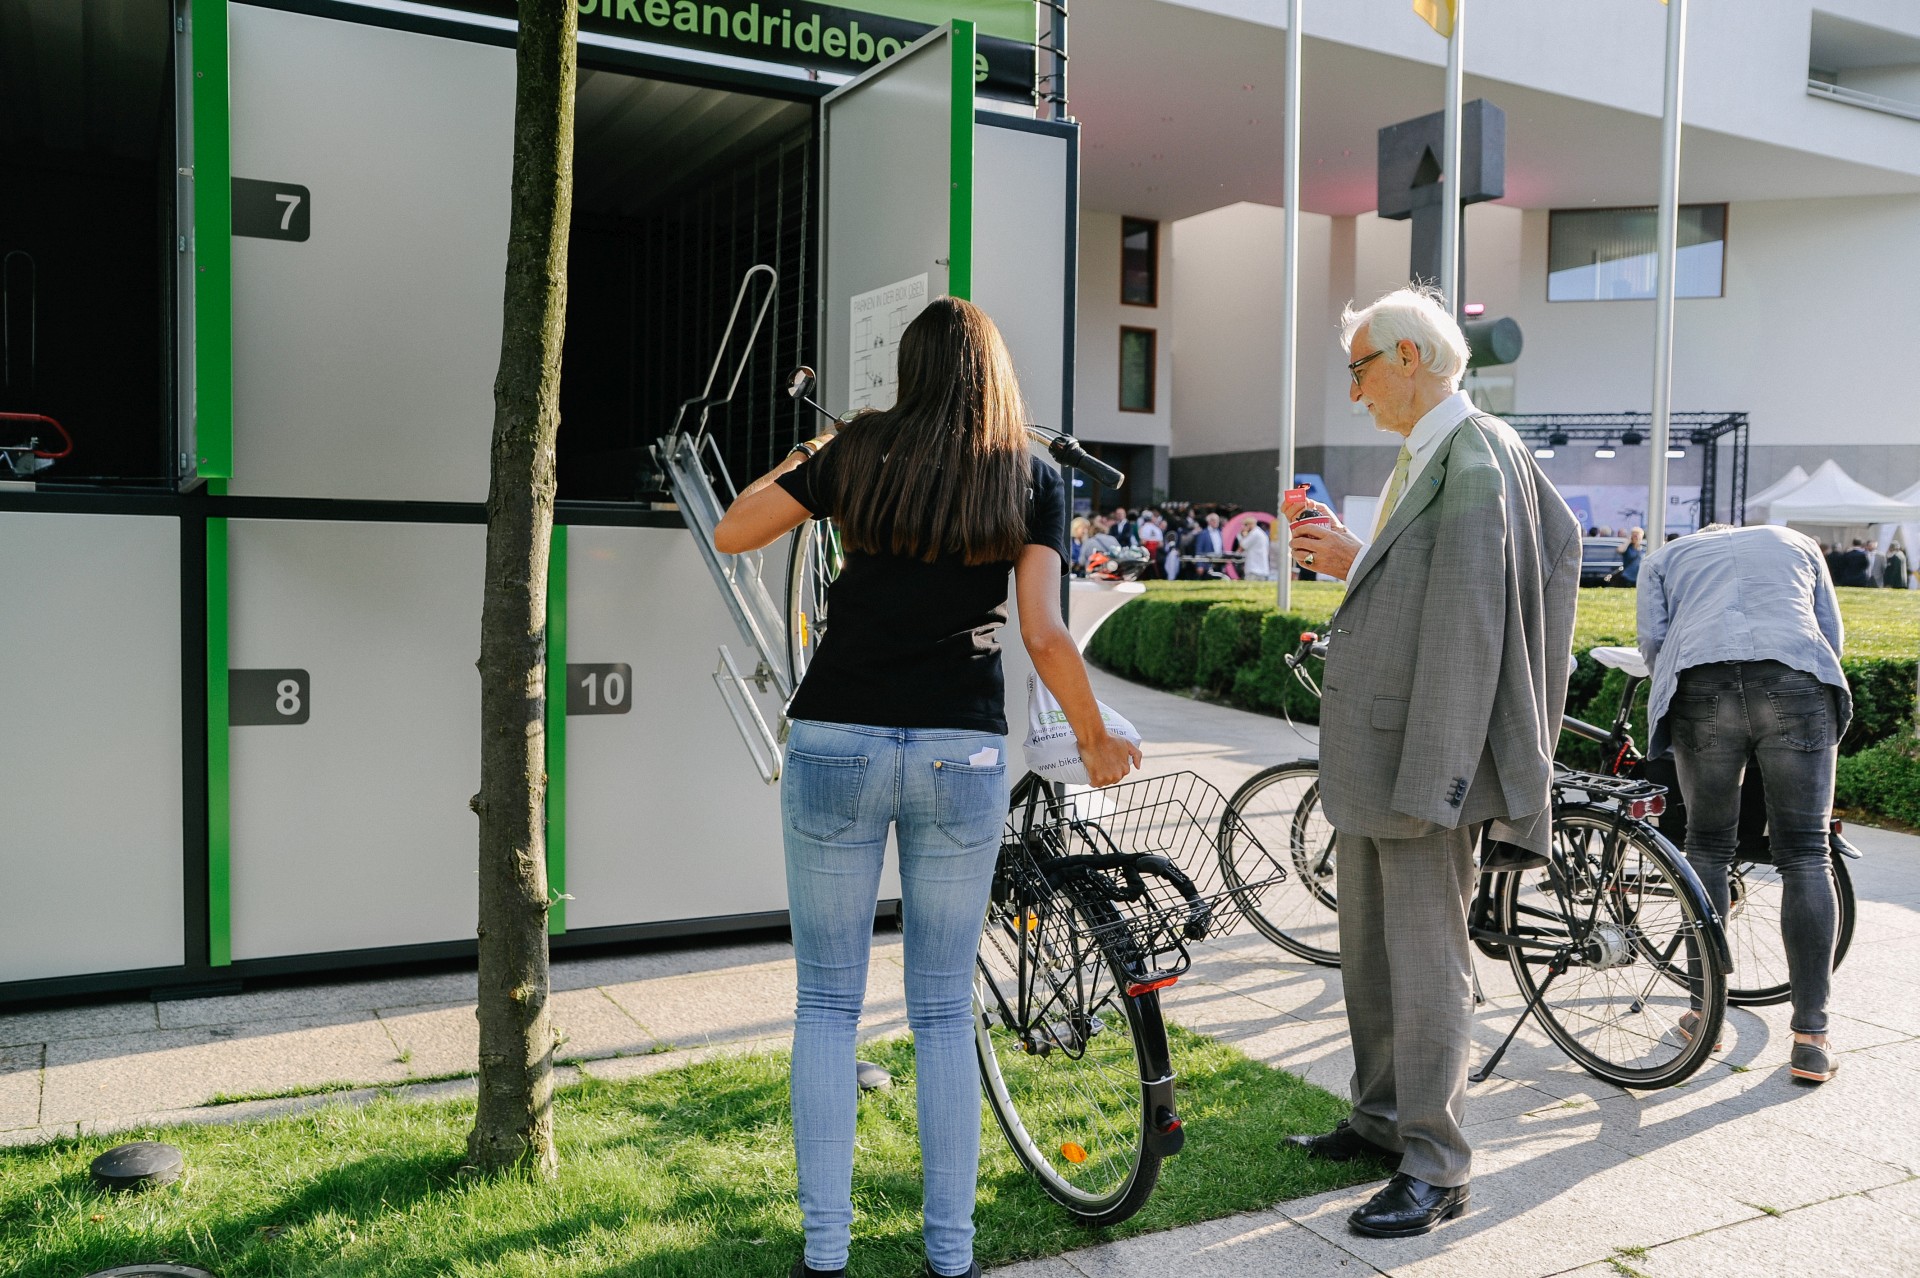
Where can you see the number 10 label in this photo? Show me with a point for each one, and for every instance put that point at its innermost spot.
(599, 689)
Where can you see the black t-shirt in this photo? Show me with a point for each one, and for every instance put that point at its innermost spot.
(913, 644)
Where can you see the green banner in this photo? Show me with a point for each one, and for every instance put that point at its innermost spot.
(826, 37)
(823, 37)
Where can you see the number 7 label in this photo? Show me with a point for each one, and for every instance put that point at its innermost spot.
(272, 210)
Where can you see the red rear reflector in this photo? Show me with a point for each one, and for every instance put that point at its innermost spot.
(1137, 988)
(1307, 636)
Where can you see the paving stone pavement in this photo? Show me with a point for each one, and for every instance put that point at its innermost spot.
(1739, 1173)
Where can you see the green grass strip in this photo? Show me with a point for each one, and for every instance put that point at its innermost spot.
(683, 1174)
(1879, 623)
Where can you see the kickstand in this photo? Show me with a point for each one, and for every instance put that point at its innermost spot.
(1479, 995)
(1485, 1072)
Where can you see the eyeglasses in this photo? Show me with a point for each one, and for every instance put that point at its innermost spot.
(1353, 369)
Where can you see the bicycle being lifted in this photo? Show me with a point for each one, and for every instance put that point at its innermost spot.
(1610, 937)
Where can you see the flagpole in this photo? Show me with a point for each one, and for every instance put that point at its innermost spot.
(1667, 250)
(1450, 163)
(1277, 556)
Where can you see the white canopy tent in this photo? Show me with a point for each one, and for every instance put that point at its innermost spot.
(1758, 503)
(1835, 499)
(1907, 532)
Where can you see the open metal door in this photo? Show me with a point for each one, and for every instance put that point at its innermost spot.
(896, 216)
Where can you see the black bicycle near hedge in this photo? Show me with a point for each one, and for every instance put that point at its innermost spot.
(1611, 941)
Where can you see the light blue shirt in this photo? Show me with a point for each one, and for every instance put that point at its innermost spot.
(1738, 594)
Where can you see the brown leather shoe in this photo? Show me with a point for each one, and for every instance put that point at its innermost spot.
(1342, 1145)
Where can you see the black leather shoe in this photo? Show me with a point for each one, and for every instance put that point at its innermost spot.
(973, 1271)
(1342, 1145)
(1407, 1207)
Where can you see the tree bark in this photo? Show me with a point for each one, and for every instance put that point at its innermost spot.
(513, 1127)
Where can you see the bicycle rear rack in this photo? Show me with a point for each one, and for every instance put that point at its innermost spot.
(683, 457)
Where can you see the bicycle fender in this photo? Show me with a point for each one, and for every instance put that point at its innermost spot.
(1164, 1134)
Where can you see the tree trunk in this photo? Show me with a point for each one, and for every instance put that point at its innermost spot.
(513, 1127)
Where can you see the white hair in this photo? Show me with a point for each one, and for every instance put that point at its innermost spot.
(1415, 314)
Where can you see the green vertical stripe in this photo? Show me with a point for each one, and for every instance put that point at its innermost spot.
(212, 244)
(960, 206)
(557, 731)
(219, 816)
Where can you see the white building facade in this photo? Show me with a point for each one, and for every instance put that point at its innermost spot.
(1802, 139)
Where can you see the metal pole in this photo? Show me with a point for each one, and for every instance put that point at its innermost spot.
(1449, 280)
(1277, 557)
(1663, 303)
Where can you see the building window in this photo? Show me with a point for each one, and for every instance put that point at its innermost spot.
(1602, 255)
(1136, 370)
(1864, 66)
(1139, 262)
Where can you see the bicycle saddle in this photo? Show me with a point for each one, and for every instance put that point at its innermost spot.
(1627, 659)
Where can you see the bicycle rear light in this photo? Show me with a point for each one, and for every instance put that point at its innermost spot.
(1641, 809)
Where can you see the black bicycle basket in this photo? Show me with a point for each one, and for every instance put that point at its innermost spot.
(1148, 867)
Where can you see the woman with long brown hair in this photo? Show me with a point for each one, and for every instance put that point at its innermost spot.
(901, 722)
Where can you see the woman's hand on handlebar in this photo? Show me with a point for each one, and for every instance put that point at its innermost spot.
(1109, 758)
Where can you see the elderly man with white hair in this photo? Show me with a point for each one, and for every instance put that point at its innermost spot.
(1446, 677)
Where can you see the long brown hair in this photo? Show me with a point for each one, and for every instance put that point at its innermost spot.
(945, 470)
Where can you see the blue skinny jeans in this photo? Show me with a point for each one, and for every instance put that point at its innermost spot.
(843, 785)
(1786, 720)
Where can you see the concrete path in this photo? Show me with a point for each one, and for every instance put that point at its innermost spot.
(1738, 1173)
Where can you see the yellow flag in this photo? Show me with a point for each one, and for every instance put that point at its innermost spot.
(1437, 14)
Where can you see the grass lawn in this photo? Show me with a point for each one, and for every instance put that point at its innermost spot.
(1880, 623)
(680, 1174)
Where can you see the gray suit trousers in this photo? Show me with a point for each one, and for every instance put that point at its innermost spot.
(1407, 966)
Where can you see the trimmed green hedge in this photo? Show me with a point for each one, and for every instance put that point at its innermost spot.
(1882, 780)
(1229, 642)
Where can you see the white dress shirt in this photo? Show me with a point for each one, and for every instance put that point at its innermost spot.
(1425, 438)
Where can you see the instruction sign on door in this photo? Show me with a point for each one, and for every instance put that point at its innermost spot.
(879, 317)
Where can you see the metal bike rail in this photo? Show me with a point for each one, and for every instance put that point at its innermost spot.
(684, 455)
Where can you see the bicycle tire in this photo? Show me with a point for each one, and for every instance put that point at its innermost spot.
(1626, 915)
(1759, 976)
(813, 561)
(1280, 807)
(1080, 1124)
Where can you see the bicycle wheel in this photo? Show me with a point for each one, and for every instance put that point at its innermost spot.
(1759, 976)
(1611, 931)
(1280, 807)
(813, 561)
(1066, 1055)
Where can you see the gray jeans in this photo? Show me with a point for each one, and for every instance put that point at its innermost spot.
(1785, 719)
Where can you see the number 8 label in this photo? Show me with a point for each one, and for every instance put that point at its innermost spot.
(268, 698)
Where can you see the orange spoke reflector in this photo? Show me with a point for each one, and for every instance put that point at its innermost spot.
(1030, 921)
(1073, 1153)
(1137, 988)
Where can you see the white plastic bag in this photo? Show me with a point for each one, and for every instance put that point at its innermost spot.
(1051, 750)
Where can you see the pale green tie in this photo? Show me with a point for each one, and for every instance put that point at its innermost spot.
(1395, 486)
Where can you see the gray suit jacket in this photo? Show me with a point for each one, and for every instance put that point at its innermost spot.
(1447, 667)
